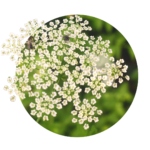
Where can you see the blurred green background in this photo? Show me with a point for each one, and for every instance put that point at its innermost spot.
(114, 103)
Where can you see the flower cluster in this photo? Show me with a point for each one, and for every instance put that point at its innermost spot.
(54, 65)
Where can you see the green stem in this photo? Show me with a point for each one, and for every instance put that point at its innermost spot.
(38, 119)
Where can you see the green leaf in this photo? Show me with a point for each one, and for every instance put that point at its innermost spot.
(108, 27)
(97, 23)
(131, 52)
(92, 130)
(134, 75)
(63, 79)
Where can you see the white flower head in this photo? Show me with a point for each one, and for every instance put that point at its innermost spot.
(59, 63)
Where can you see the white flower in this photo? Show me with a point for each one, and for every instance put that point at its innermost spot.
(51, 24)
(99, 112)
(81, 121)
(74, 120)
(115, 85)
(87, 90)
(95, 119)
(109, 83)
(51, 106)
(122, 60)
(90, 119)
(33, 112)
(13, 98)
(32, 105)
(45, 118)
(105, 77)
(82, 106)
(120, 80)
(74, 112)
(64, 102)
(117, 62)
(86, 126)
(127, 77)
(94, 108)
(103, 90)
(39, 114)
(80, 115)
(112, 59)
(53, 113)
(109, 50)
(85, 101)
(91, 112)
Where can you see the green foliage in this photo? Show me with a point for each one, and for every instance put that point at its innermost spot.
(108, 27)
